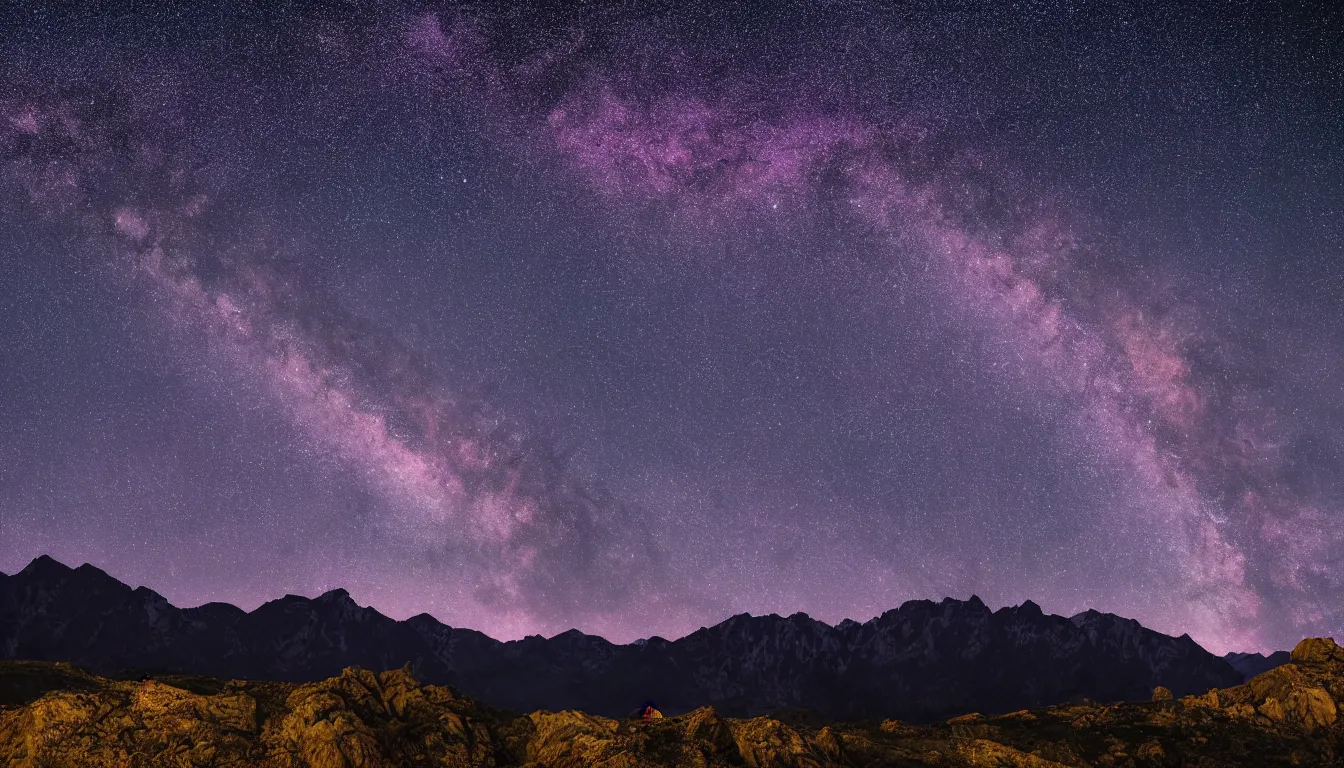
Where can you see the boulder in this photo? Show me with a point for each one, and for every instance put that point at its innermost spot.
(982, 752)
(763, 742)
(1272, 709)
(1317, 650)
(1312, 706)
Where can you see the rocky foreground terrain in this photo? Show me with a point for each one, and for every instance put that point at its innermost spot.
(58, 715)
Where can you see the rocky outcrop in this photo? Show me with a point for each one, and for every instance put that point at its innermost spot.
(347, 721)
(922, 661)
(1305, 692)
(57, 715)
(1317, 650)
(120, 723)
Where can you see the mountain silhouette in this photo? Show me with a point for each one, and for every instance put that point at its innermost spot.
(1252, 664)
(920, 662)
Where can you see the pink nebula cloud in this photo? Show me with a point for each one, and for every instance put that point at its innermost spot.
(1135, 390)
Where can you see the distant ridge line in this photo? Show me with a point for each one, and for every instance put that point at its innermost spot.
(921, 661)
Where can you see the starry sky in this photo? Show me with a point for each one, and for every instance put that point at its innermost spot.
(629, 317)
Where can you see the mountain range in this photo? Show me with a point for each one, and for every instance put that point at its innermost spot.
(921, 662)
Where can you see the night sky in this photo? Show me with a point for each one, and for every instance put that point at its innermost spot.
(632, 317)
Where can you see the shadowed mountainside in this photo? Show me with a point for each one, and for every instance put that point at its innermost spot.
(920, 662)
(1251, 664)
(58, 715)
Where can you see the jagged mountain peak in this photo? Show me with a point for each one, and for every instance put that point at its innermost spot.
(918, 661)
(45, 565)
(1101, 621)
(570, 636)
(88, 569)
(217, 609)
(330, 597)
(1252, 664)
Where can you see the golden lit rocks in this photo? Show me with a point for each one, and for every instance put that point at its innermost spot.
(573, 739)
(129, 724)
(1151, 750)
(990, 754)
(1313, 707)
(1272, 709)
(319, 731)
(972, 717)
(1298, 692)
(763, 742)
(699, 738)
(42, 727)
(1317, 650)
(229, 711)
(54, 717)
(705, 725)
(364, 719)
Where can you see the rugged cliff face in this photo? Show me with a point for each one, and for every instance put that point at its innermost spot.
(57, 715)
(920, 662)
